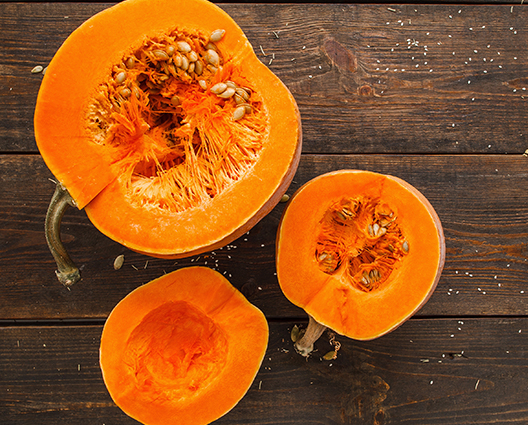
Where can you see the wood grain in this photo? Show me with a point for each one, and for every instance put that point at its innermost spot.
(481, 201)
(427, 372)
(425, 79)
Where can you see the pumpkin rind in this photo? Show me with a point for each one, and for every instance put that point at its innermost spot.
(331, 298)
(94, 178)
(145, 340)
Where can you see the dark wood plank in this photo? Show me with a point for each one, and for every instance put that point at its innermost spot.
(481, 200)
(404, 91)
(426, 372)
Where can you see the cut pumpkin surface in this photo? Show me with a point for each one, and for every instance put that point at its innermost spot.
(172, 128)
(360, 252)
(182, 349)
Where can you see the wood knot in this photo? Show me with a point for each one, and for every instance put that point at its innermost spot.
(365, 90)
(340, 56)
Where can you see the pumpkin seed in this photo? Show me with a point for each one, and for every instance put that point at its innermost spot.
(130, 62)
(198, 67)
(171, 50)
(185, 63)
(191, 68)
(229, 92)
(370, 230)
(285, 198)
(212, 68)
(239, 99)
(136, 92)
(202, 84)
(120, 77)
(161, 55)
(217, 35)
(125, 92)
(242, 93)
(210, 46)
(331, 355)
(175, 100)
(219, 88)
(192, 56)
(212, 57)
(405, 247)
(239, 113)
(294, 334)
(178, 60)
(119, 261)
(375, 228)
(231, 84)
(37, 69)
(183, 46)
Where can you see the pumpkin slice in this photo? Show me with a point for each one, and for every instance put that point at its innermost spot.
(360, 252)
(157, 117)
(182, 349)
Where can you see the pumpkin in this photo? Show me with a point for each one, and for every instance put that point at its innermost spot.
(157, 118)
(360, 252)
(182, 349)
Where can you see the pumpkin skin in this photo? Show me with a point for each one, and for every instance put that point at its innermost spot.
(98, 175)
(346, 295)
(182, 349)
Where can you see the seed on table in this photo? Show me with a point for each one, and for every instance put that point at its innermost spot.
(285, 198)
(212, 57)
(120, 77)
(239, 113)
(217, 35)
(229, 92)
(183, 46)
(219, 88)
(37, 69)
(119, 261)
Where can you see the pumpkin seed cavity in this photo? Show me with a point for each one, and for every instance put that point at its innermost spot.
(179, 120)
(361, 237)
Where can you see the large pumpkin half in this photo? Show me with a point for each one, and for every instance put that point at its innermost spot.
(160, 121)
(360, 252)
(182, 349)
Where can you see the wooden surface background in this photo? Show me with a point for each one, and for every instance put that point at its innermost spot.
(432, 93)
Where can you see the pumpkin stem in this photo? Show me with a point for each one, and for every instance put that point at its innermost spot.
(305, 345)
(67, 272)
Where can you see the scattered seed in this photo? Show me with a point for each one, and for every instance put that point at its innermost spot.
(285, 198)
(295, 333)
(37, 69)
(119, 261)
(331, 355)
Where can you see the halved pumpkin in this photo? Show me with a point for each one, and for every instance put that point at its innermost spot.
(182, 349)
(360, 252)
(159, 119)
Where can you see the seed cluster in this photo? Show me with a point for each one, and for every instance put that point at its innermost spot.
(360, 236)
(180, 117)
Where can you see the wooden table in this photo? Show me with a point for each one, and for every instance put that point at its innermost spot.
(435, 94)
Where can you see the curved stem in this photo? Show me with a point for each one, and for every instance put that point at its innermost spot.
(305, 345)
(67, 272)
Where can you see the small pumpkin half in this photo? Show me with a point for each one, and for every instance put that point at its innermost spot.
(157, 118)
(360, 252)
(182, 349)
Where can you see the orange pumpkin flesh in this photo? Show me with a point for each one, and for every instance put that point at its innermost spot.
(160, 162)
(182, 349)
(360, 252)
